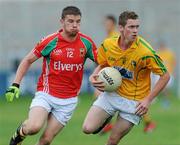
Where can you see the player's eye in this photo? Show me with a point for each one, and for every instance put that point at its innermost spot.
(78, 21)
(131, 27)
(70, 21)
(137, 26)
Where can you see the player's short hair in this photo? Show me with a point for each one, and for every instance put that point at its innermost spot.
(111, 18)
(124, 16)
(70, 10)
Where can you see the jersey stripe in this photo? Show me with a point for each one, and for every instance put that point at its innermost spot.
(88, 46)
(157, 60)
(147, 46)
(105, 49)
(49, 47)
(45, 79)
(46, 52)
(161, 64)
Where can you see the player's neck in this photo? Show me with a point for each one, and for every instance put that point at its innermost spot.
(124, 43)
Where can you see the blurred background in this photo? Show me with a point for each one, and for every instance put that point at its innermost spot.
(24, 22)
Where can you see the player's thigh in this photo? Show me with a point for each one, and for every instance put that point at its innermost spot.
(120, 129)
(37, 117)
(52, 129)
(99, 112)
(39, 109)
(95, 117)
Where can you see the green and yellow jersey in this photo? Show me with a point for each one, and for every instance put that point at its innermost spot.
(135, 65)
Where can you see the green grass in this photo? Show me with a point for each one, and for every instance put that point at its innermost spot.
(167, 132)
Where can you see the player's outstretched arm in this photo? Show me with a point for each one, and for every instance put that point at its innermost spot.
(144, 104)
(159, 86)
(13, 90)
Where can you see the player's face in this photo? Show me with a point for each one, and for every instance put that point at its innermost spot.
(71, 24)
(108, 24)
(130, 30)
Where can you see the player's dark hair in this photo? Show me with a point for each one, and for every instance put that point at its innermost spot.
(125, 16)
(70, 10)
(112, 18)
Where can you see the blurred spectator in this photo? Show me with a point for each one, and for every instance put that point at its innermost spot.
(168, 57)
(110, 26)
(149, 125)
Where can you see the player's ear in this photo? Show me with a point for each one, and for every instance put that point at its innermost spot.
(62, 22)
(121, 28)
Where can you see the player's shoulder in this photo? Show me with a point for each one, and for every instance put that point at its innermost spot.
(85, 37)
(110, 40)
(49, 37)
(109, 43)
(144, 46)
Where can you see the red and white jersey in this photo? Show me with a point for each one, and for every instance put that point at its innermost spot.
(63, 63)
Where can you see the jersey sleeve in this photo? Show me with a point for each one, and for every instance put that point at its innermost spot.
(92, 52)
(46, 45)
(154, 63)
(101, 56)
(91, 49)
(38, 48)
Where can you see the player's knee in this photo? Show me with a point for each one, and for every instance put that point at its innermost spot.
(87, 129)
(113, 141)
(115, 138)
(45, 139)
(31, 129)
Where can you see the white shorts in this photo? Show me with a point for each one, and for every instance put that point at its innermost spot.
(112, 103)
(62, 109)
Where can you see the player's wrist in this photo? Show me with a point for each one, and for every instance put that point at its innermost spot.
(16, 85)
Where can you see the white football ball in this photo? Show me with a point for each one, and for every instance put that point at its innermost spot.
(111, 77)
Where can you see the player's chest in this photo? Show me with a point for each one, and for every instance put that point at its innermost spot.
(68, 53)
(128, 60)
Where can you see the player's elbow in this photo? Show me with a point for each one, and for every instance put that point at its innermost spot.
(166, 77)
(30, 58)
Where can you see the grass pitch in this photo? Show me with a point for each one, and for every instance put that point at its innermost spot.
(166, 133)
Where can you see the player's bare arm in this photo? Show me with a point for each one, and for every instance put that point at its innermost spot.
(144, 104)
(24, 66)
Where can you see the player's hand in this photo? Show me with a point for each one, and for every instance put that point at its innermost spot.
(11, 92)
(97, 83)
(142, 107)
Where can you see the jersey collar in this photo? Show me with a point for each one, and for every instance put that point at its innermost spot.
(133, 46)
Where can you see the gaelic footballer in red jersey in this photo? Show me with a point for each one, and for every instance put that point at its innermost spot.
(64, 54)
(63, 62)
